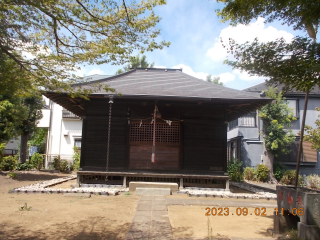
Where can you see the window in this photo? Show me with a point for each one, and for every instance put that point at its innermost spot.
(248, 120)
(77, 143)
(293, 104)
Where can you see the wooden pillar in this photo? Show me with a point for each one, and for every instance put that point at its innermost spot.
(181, 184)
(124, 182)
(227, 186)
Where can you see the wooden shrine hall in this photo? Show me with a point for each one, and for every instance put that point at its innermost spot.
(165, 126)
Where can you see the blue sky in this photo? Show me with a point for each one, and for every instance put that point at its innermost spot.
(194, 30)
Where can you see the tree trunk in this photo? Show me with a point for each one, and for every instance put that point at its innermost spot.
(23, 147)
(268, 159)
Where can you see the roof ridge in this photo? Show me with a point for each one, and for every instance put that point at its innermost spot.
(107, 78)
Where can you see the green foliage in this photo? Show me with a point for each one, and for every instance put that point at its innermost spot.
(275, 117)
(249, 173)
(278, 170)
(38, 139)
(234, 171)
(2, 148)
(12, 114)
(25, 207)
(37, 161)
(136, 62)
(76, 160)
(12, 175)
(25, 166)
(215, 80)
(313, 181)
(300, 13)
(8, 163)
(58, 36)
(289, 178)
(313, 134)
(60, 164)
(127, 194)
(262, 172)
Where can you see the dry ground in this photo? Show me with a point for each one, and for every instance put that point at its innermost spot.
(54, 216)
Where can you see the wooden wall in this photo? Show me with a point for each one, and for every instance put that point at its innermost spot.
(204, 146)
(95, 135)
(203, 137)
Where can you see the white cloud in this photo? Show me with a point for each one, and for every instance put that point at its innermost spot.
(95, 71)
(188, 70)
(226, 77)
(246, 77)
(242, 33)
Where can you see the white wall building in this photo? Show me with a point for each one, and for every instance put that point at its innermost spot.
(64, 132)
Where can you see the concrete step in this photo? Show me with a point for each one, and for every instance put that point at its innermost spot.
(172, 186)
(153, 191)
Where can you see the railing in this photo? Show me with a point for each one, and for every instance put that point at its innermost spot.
(68, 114)
(10, 152)
(248, 120)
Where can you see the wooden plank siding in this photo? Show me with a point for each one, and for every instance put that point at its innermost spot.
(204, 138)
(201, 146)
(96, 127)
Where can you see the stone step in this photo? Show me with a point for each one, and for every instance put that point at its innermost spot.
(172, 186)
(153, 191)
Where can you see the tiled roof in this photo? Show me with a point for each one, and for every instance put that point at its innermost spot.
(263, 86)
(167, 83)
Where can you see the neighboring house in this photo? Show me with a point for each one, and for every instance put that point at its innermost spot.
(187, 141)
(246, 143)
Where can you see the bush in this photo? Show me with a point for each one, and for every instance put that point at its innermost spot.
(313, 181)
(56, 163)
(289, 178)
(25, 166)
(60, 164)
(249, 173)
(234, 171)
(8, 163)
(262, 172)
(278, 170)
(37, 161)
(64, 166)
(76, 160)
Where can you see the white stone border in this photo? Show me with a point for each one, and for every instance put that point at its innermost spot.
(206, 192)
(44, 187)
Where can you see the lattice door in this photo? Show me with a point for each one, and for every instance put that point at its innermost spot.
(167, 146)
(164, 132)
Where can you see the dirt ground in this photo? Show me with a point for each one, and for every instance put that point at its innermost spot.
(191, 221)
(54, 216)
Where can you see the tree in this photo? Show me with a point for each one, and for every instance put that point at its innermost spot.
(276, 116)
(33, 106)
(49, 39)
(215, 80)
(313, 134)
(136, 62)
(38, 139)
(301, 14)
(12, 115)
(270, 59)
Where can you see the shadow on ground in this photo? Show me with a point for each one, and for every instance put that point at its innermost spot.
(93, 228)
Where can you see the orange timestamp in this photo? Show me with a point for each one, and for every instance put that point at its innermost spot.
(294, 211)
(239, 211)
